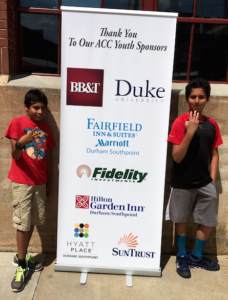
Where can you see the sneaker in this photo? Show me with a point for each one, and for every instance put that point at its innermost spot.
(203, 263)
(33, 265)
(182, 266)
(18, 281)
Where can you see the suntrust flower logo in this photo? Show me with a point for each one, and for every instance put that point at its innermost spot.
(129, 241)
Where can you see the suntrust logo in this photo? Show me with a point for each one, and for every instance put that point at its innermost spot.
(84, 87)
(131, 242)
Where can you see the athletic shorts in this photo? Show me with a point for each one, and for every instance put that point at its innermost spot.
(202, 202)
(28, 205)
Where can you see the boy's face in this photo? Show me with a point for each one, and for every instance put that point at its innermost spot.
(36, 111)
(197, 100)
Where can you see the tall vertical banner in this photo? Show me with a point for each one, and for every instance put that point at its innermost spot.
(115, 101)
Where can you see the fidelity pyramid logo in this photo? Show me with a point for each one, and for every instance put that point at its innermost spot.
(83, 170)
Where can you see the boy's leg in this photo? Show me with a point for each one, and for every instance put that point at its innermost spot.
(180, 230)
(204, 212)
(203, 232)
(30, 235)
(38, 213)
(181, 202)
(181, 259)
(22, 241)
(22, 195)
(202, 235)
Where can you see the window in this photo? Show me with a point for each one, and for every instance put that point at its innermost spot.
(39, 23)
(38, 47)
(39, 27)
(201, 47)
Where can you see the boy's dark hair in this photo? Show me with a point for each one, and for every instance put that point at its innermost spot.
(198, 83)
(34, 96)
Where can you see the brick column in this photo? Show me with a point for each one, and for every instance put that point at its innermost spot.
(7, 40)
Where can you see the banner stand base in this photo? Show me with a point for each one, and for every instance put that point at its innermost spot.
(106, 270)
(129, 280)
(83, 278)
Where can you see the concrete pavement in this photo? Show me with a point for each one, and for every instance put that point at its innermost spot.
(49, 284)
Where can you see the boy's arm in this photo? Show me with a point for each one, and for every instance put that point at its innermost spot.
(214, 163)
(49, 172)
(16, 154)
(24, 140)
(179, 151)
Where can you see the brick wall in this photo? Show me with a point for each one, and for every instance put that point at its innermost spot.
(7, 37)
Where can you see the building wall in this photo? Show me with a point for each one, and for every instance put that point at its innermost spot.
(44, 238)
(7, 39)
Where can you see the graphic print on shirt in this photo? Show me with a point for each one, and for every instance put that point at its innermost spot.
(38, 148)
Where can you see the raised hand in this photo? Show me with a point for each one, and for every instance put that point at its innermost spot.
(28, 138)
(192, 125)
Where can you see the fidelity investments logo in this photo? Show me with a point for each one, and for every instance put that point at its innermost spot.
(85, 87)
(131, 242)
(83, 170)
(113, 175)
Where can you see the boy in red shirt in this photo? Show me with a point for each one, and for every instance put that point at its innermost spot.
(30, 174)
(195, 140)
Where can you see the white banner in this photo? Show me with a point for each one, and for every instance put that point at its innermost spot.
(115, 100)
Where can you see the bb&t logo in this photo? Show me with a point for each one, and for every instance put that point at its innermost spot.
(85, 87)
